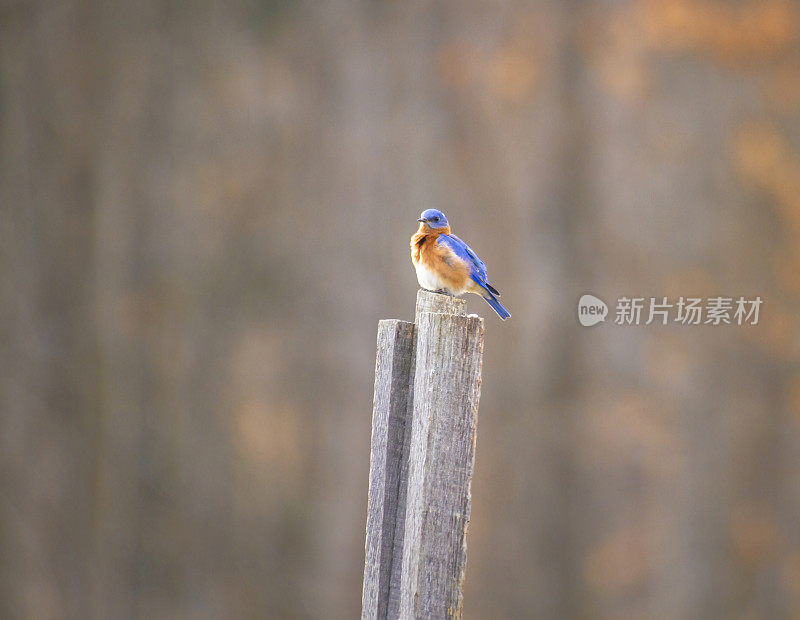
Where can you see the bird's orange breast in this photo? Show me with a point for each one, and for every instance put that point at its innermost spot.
(438, 267)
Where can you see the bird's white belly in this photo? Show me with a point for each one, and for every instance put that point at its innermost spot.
(430, 280)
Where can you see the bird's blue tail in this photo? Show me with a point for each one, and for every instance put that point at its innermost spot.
(497, 306)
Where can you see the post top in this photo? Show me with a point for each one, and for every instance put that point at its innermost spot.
(428, 301)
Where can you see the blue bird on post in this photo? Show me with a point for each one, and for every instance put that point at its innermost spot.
(445, 264)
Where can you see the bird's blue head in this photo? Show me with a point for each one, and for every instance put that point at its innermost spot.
(433, 218)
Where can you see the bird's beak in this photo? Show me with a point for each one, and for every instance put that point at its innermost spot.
(421, 219)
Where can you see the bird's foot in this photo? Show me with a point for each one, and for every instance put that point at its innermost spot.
(439, 291)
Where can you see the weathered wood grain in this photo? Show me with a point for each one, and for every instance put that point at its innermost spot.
(428, 301)
(447, 382)
(440, 425)
(388, 462)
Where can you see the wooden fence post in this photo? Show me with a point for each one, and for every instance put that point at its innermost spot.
(427, 386)
(388, 465)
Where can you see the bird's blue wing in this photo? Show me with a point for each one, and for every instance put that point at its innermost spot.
(477, 272)
(463, 251)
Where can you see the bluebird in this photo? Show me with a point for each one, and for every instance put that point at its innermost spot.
(445, 264)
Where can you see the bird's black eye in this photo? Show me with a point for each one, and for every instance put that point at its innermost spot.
(436, 218)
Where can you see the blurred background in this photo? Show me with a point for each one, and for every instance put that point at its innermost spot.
(206, 209)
